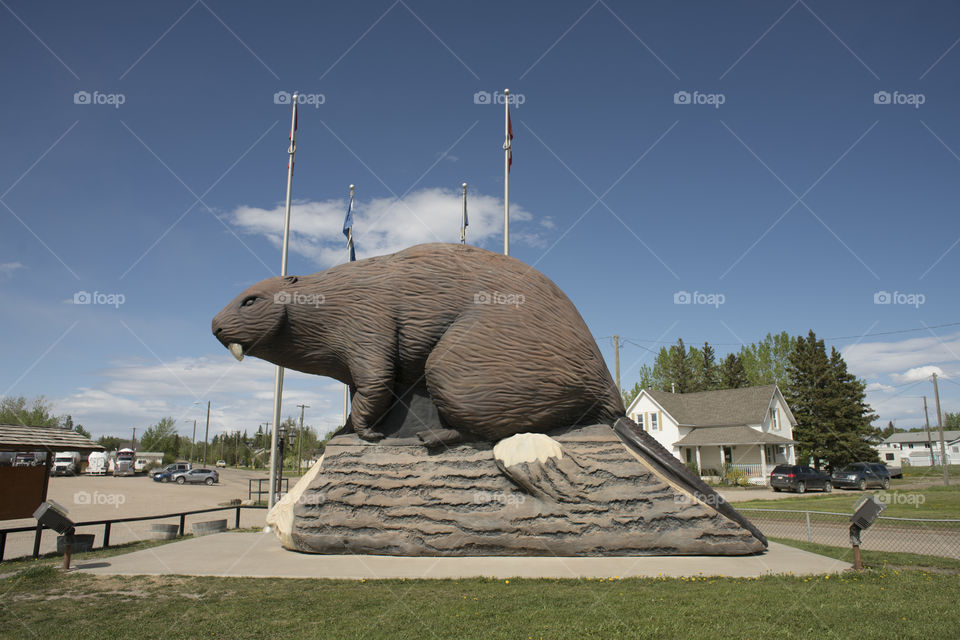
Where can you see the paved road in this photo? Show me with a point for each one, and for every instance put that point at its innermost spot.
(101, 497)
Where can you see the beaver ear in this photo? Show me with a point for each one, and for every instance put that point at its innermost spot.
(290, 279)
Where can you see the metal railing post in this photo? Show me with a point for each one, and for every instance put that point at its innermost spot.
(237, 525)
(106, 534)
(809, 530)
(183, 523)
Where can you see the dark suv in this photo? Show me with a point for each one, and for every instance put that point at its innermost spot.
(862, 475)
(796, 477)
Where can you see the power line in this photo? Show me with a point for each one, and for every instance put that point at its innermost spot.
(634, 341)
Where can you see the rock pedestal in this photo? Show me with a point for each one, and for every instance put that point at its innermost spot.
(592, 496)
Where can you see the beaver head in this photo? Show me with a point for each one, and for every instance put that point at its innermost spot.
(252, 322)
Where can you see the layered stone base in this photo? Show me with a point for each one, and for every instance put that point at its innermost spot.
(592, 496)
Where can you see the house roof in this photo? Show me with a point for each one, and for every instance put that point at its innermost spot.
(920, 436)
(739, 434)
(748, 405)
(15, 437)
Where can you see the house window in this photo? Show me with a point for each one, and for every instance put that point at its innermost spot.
(955, 449)
(774, 419)
(654, 423)
(689, 456)
(728, 455)
(639, 420)
(889, 456)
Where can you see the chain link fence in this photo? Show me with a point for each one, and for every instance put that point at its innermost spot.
(929, 537)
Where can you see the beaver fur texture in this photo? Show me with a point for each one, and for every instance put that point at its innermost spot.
(498, 347)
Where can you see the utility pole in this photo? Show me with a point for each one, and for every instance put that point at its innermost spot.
(616, 359)
(300, 435)
(206, 435)
(926, 415)
(943, 446)
(193, 440)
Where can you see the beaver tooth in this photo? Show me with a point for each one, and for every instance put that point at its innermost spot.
(237, 350)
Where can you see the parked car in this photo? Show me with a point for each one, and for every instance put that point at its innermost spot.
(861, 475)
(884, 471)
(196, 476)
(163, 475)
(221, 464)
(799, 478)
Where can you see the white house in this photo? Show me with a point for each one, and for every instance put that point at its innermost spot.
(913, 448)
(749, 428)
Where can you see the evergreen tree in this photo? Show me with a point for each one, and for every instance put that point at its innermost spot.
(888, 431)
(951, 420)
(79, 429)
(708, 375)
(829, 403)
(680, 376)
(732, 373)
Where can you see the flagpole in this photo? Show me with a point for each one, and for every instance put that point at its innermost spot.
(463, 217)
(278, 376)
(506, 172)
(346, 387)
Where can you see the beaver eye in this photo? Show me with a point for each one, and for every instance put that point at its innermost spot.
(249, 300)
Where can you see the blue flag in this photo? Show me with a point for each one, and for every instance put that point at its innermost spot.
(348, 231)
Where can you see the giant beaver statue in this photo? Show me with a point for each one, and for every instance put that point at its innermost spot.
(498, 347)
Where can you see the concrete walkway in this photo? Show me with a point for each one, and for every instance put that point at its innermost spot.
(260, 555)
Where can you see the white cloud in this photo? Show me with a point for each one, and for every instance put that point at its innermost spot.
(918, 373)
(7, 269)
(137, 394)
(873, 359)
(386, 225)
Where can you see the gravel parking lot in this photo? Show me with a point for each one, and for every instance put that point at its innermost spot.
(102, 497)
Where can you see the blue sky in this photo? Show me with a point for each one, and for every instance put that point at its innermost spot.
(742, 149)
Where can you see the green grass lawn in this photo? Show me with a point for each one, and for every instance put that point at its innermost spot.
(933, 502)
(40, 602)
(933, 473)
